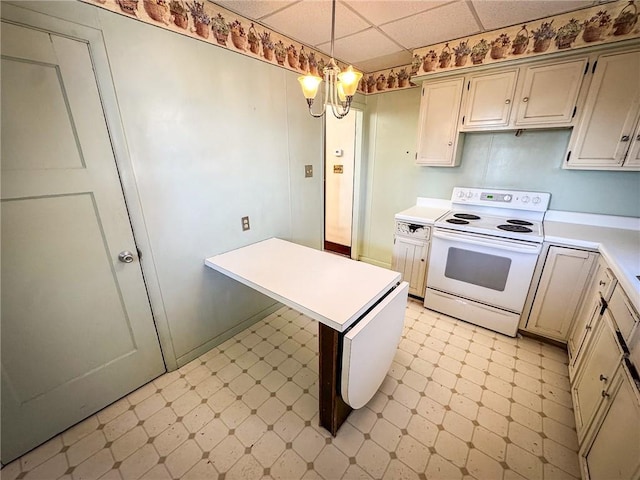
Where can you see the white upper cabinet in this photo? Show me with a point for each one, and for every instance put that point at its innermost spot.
(488, 100)
(606, 136)
(538, 95)
(633, 156)
(549, 93)
(438, 127)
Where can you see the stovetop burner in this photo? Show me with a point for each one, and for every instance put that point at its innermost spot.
(519, 222)
(466, 216)
(515, 228)
(457, 221)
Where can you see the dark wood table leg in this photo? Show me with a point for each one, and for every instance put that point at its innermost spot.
(333, 409)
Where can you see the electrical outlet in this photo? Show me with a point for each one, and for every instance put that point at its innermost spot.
(245, 224)
(308, 171)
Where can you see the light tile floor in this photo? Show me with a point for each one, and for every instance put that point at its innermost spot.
(459, 402)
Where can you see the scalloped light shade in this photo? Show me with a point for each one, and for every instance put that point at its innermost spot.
(349, 80)
(309, 84)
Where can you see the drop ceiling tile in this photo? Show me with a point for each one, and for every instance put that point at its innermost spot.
(254, 9)
(440, 24)
(362, 46)
(502, 13)
(379, 12)
(387, 61)
(309, 21)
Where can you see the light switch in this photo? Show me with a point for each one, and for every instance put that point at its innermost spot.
(338, 152)
(308, 171)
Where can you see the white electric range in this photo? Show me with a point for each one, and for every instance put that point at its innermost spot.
(483, 254)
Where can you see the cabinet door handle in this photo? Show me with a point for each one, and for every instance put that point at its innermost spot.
(603, 378)
(422, 259)
(525, 99)
(625, 138)
(450, 143)
(587, 328)
(507, 101)
(602, 283)
(638, 137)
(604, 394)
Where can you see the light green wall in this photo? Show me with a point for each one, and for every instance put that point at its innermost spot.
(212, 136)
(500, 160)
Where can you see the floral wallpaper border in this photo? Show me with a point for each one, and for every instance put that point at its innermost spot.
(209, 22)
(601, 24)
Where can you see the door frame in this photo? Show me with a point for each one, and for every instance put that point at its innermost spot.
(41, 16)
(357, 201)
(358, 181)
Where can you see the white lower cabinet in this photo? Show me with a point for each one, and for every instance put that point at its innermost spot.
(411, 254)
(600, 363)
(605, 385)
(591, 310)
(611, 449)
(565, 276)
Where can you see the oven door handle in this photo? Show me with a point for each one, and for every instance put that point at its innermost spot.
(518, 247)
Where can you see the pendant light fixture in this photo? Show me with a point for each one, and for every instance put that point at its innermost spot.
(339, 86)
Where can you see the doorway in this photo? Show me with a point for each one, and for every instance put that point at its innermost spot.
(343, 143)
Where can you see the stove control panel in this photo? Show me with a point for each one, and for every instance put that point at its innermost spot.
(516, 199)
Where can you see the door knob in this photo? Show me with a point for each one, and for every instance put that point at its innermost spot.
(625, 138)
(125, 256)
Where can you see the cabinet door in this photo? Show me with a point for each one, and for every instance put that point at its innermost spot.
(586, 321)
(607, 125)
(633, 157)
(438, 127)
(488, 100)
(549, 93)
(410, 259)
(589, 313)
(602, 357)
(612, 449)
(562, 285)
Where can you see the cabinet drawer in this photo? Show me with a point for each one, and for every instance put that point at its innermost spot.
(413, 230)
(624, 315)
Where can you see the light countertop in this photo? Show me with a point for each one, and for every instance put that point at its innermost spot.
(331, 289)
(426, 211)
(618, 246)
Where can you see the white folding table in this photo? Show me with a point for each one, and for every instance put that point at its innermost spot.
(360, 308)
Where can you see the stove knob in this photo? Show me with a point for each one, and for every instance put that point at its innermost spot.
(525, 199)
(469, 194)
(460, 194)
(536, 200)
(507, 198)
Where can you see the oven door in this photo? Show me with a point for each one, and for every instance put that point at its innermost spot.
(491, 270)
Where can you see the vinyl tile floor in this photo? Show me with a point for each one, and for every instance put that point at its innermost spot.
(459, 402)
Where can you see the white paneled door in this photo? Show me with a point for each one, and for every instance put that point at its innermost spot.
(77, 329)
